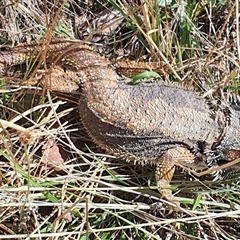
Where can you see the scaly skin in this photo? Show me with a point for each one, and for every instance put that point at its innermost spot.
(152, 122)
(32, 52)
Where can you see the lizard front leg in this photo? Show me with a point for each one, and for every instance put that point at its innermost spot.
(166, 166)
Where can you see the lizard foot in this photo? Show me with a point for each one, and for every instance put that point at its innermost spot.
(172, 203)
(165, 169)
(167, 194)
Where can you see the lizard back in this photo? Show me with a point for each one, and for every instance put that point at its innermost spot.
(142, 121)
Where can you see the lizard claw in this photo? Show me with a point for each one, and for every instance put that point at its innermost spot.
(167, 194)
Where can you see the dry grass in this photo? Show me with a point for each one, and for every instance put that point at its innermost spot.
(56, 184)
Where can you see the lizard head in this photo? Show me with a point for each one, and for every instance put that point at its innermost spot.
(227, 153)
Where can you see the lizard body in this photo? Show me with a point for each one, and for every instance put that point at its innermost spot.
(151, 122)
